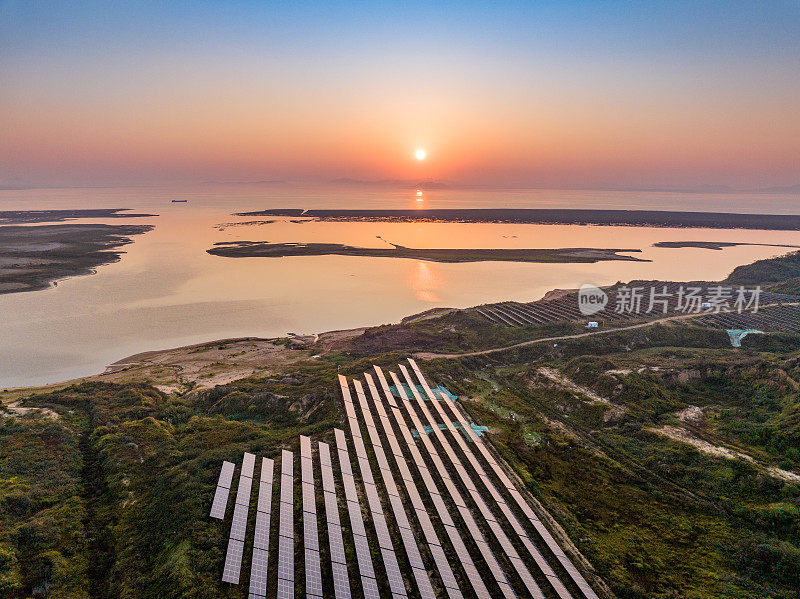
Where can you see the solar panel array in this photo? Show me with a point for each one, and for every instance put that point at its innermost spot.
(341, 581)
(437, 569)
(233, 557)
(420, 573)
(286, 529)
(260, 562)
(565, 307)
(310, 533)
(785, 318)
(220, 504)
(363, 556)
(576, 576)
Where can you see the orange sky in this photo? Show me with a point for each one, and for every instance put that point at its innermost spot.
(559, 105)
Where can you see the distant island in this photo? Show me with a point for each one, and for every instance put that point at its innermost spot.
(715, 245)
(263, 249)
(16, 217)
(551, 216)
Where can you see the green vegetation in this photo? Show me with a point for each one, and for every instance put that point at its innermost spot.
(655, 517)
(111, 498)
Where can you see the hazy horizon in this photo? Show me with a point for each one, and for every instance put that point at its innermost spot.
(679, 95)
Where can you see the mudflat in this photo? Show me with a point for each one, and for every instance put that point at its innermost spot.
(33, 257)
(643, 218)
(263, 249)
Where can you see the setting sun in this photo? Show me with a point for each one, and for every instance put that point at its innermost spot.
(420, 154)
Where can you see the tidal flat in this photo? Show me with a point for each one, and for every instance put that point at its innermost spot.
(34, 257)
(263, 249)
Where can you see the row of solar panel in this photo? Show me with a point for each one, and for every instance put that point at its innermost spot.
(260, 561)
(286, 528)
(310, 533)
(233, 557)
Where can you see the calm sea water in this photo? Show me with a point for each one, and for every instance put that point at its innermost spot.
(166, 291)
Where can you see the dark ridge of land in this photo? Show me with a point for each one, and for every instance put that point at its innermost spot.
(247, 223)
(643, 218)
(714, 245)
(33, 257)
(262, 249)
(17, 217)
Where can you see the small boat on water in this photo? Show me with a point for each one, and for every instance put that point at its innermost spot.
(179, 201)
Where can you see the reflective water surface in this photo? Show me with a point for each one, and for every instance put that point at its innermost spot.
(166, 291)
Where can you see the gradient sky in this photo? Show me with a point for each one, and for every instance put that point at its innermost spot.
(558, 94)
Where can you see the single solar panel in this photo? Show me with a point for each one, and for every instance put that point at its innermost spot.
(349, 487)
(363, 556)
(370, 588)
(383, 463)
(361, 451)
(245, 487)
(239, 521)
(336, 543)
(414, 556)
(373, 500)
(306, 469)
(261, 535)
(382, 532)
(327, 479)
(324, 453)
(393, 576)
(389, 484)
(341, 582)
(287, 493)
(313, 574)
(220, 504)
(285, 589)
(331, 508)
(344, 463)
(310, 534)
(287, 463)
(233, 561)
(366, 471)
(258, 572)
(248, 464)
(264, 496)
(286, 558)
(267, 470)
(226, 474)
(356, 519)
(309, 498)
